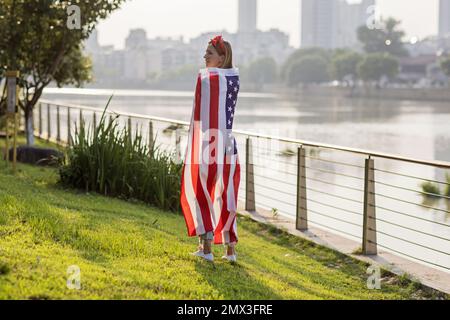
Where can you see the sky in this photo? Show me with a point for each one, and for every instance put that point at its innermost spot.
(189, 18)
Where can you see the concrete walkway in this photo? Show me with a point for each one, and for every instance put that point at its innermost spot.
(428, 276)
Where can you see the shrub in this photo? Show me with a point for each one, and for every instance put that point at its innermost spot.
(431, 188)
(111, 161)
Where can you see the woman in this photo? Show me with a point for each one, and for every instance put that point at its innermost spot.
(211, 170)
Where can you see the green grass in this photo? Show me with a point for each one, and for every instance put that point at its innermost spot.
(130, 250)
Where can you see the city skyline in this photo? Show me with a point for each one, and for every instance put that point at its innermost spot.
(152, 17)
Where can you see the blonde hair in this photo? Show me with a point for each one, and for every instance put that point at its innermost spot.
(228, 53)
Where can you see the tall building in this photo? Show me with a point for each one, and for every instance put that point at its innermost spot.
(247, 16)
(444, 18)
(351, 17)
(318, 23)
(332, 23)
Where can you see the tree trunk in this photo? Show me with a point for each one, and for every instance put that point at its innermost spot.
(29, 125)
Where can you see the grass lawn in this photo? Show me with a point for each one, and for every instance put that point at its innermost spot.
(130, 250)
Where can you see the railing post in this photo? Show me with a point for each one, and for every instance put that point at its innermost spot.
(81, 118)
(302, 213)
(68, 126)
(49, 127)
(150, 135)
(94, 123)
(130, 130)
(177, 144)
(58, 125)
(40, 120)
(249, 177)
(369, 245)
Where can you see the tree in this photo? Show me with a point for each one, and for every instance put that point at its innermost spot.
(345, 64)
(385, 39)
(376, 65)
(43, 40)
(300, 53)
(445, 65)
(308, 69)
(262, 71)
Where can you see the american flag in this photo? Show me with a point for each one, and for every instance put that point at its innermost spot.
(211, 169)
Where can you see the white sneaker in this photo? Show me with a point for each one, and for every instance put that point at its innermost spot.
(230, 258)
(208, 257)
(200, 253)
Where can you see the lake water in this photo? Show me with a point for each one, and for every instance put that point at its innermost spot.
(407, 222)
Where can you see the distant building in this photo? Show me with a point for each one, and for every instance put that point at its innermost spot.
(351, 16)
(92, 44)
(444, 18)
(107, 62)
(427, 46)
(261, 44)
(332, 23)
(137, 39)
(135, 64)
(318, 23)
(247, 16)
(422, 70)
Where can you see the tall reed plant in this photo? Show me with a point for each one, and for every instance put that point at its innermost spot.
(115, 162)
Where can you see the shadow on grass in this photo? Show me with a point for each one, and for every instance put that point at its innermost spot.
(233, 282)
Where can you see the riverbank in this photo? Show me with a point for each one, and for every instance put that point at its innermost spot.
(129, 250)
(428, 94)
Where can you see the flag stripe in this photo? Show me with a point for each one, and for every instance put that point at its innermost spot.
(189, 205)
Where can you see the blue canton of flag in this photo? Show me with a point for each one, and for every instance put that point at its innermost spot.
(230, 105)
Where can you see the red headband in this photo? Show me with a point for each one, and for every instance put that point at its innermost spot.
(217, 40)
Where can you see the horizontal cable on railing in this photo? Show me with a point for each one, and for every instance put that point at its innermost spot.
(409, 215)
(257, 155)
(333, 184)
(331, 206)
(337, 162)
(408, 189)
(262, 203)
(267, 149)
(331, 217)
(277, 190)
(332, 195)
(411, 176)
(280, 171)
(274, 179)
(408, 241)
(409, 202)
(336, 173)
(408, 255)
(328, 227)
(278, 200)
(401, 226)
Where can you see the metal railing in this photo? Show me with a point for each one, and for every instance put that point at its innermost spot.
(349, 191)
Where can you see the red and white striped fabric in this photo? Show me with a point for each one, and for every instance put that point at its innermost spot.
(211, 169)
